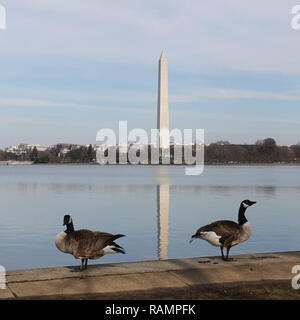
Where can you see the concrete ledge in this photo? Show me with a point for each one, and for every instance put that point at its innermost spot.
(137, 278)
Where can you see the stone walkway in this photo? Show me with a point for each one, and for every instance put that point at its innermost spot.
(139, 279)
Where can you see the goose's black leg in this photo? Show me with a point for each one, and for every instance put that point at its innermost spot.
(222, 253)
(228, 248)
(82, 265)
(85, 265)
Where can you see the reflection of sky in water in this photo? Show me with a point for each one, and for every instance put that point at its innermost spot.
(127, 199)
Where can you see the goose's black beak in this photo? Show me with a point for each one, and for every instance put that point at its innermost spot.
(252, 203)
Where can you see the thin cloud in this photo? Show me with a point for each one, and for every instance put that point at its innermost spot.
(36, 103)
(224, 93)
(229, 117)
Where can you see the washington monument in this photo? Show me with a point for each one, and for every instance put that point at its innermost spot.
(163, 103)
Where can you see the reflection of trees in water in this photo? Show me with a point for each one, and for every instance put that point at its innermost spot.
(226, 191)
(268, 191)
(60, 188)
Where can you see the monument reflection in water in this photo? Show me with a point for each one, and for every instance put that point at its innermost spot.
(163, 203)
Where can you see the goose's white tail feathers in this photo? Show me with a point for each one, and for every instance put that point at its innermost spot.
(111, 249)
(211, 237)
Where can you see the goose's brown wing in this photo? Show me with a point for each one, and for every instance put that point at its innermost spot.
(87, 243)
(229, 231)
(103, 239)
(77, 240)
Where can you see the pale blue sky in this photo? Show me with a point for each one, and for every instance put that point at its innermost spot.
(70, 68)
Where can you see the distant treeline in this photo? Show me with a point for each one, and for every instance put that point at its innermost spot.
(264, 151)
(221, 152)
(80, 154)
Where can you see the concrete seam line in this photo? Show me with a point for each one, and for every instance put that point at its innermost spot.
(93, 276)
(89, 277)
(180, 278)
(12, 292)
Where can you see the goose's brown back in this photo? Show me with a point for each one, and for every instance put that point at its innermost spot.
(89, 244)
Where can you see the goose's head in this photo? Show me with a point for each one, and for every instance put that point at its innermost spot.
(247, 203)
(67, 220)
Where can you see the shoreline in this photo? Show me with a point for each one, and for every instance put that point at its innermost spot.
(275, 164)
(248, 276)
(15, 163)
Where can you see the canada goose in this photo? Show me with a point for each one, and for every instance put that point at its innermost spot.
(85, 244)
(226, 234)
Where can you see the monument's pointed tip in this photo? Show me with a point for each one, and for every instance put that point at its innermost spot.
(163, 54)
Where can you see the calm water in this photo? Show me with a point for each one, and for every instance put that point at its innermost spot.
(158, 208)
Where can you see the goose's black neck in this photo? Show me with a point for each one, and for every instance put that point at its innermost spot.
(242, 218)
(70, 228)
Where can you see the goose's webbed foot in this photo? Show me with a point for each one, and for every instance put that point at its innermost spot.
(227, 255)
